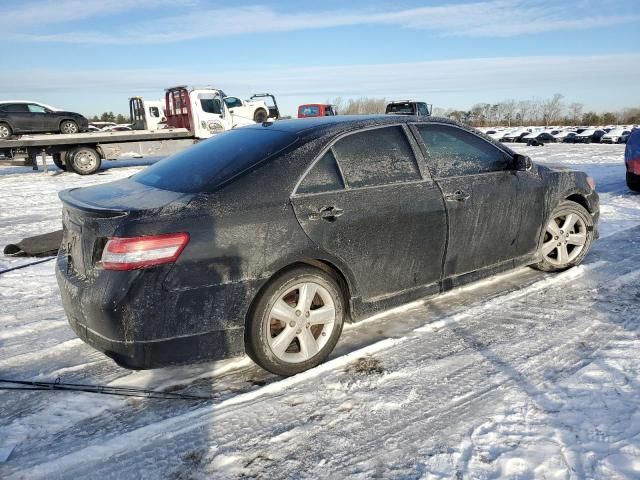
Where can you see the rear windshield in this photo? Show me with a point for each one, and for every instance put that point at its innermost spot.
(208, 164)
(400, 108)
(310, 111)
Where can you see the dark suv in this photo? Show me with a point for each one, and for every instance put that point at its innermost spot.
(31, 117)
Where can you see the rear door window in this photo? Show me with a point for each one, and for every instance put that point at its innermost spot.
(323, 177)
(17, 108)
(376, 157)
(454, 152)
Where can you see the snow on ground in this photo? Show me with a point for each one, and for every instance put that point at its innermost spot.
(526, 375)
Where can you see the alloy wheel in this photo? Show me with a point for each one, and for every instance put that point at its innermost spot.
(564, 239)
(300, 322)
(4, 131)
(69, 127)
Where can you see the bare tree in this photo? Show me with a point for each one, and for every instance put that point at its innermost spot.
(364, 106)
(338, 102)
(508, 110)
(575, 112)
(536, 109)
(552, 109)
(524, 111)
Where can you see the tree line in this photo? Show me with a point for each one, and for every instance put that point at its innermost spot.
(110, 117)
(550, 111)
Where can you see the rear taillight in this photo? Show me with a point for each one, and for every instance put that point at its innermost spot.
(142, 252)
(591, 182)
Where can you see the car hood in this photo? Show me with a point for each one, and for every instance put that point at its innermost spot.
(556, 168)
(64, 112)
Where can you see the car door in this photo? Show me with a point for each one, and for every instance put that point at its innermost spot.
(365, 202)
(43, 119)
(20, 118)
(481, 195)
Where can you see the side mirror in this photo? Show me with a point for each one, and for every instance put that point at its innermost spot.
(522, 162)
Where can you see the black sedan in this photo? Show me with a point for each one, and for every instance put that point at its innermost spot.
(31, 117)
(267, 238)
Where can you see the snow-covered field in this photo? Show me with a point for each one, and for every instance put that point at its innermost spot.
(526, 375)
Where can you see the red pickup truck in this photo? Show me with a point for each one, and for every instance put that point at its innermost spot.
(316, 110)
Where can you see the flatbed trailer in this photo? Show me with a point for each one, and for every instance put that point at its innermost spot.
(83, 153)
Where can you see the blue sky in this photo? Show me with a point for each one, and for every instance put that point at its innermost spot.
(90, 56)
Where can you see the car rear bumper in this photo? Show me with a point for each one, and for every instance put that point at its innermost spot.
(140, 355)
(131, 318)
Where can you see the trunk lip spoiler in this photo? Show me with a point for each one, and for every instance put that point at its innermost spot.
(69, 201)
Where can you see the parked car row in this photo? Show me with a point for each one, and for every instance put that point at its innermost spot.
(541, 135)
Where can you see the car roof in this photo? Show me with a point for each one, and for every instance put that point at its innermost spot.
(346, 122)
(339, 124)
(5, 102)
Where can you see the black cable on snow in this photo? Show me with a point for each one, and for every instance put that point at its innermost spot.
(25, 385)
(26, 265)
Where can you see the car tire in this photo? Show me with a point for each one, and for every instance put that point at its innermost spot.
(633, 182)
(5, 131)
(84, 161)
(69, 127)
(57, 160)
(309, 338)
(260, 116)
(564, 246)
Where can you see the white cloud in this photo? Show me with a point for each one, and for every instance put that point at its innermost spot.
(35, 15)
(495, 18)
(607, 80)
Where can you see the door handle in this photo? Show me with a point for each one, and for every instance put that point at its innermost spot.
(329, 214)
(457, 196)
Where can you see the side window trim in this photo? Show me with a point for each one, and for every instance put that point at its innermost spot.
(425, 151)
(420, 158)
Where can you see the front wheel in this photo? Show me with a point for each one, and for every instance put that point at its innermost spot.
(69, 127)
(296, 321)
(84, 161)
(567, 237)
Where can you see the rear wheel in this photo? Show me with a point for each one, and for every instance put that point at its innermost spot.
(5, 131)
(57, 160)
(567, 237)
(84, 161)
(260, 116)
(69, 127)
(296, 321)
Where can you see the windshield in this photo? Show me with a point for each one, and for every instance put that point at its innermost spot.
(400, 108)
(208, 164)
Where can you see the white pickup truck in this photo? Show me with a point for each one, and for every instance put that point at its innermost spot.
(159, 129)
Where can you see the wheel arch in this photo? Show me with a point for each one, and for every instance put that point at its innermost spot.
(581, 199)
(67, 119)
(321, 264)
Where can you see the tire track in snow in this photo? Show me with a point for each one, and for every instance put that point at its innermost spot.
(201, 417)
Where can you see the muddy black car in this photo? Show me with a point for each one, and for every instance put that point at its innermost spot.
(26, 117)
(267, 238)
